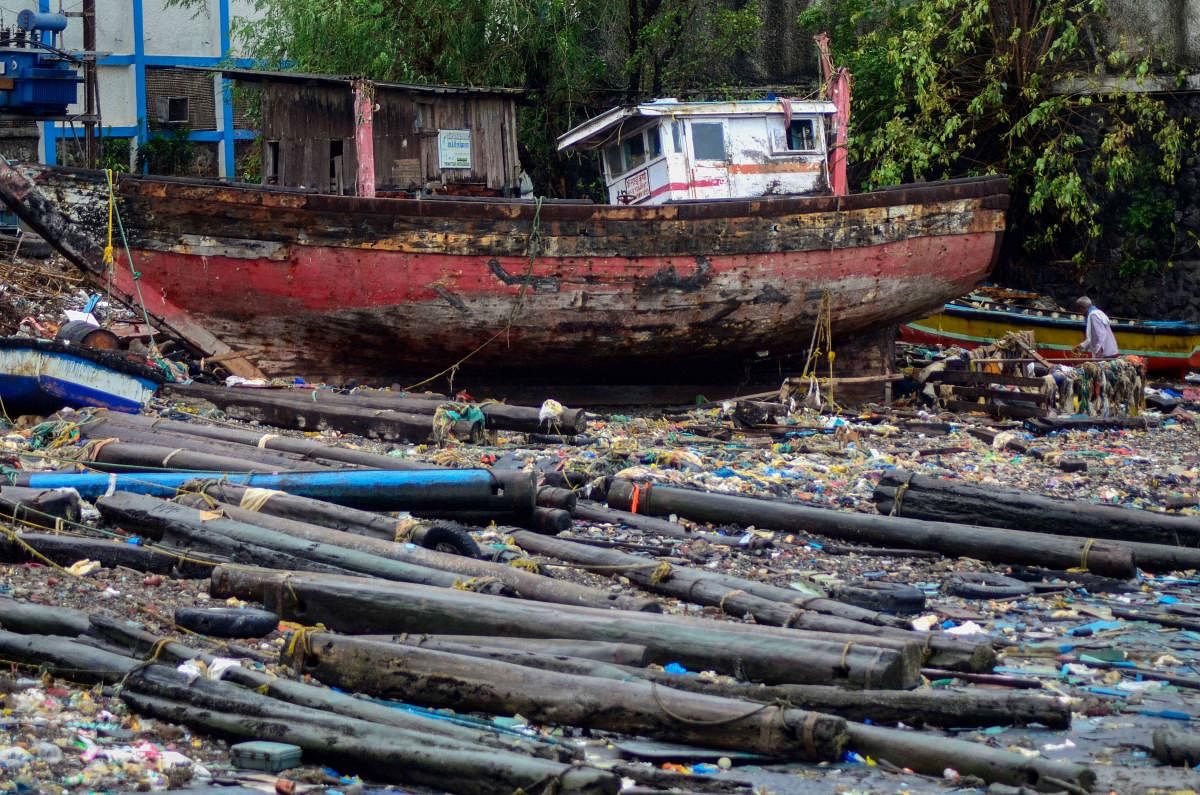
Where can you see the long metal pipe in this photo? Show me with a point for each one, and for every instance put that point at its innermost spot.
(370, 489)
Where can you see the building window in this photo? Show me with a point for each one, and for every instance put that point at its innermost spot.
(708, 141)
(173, 110)
(802, 136)
(676, 137)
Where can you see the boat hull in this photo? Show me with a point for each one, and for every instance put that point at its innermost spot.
(41, 377)
(338, 287)
(1169, 348)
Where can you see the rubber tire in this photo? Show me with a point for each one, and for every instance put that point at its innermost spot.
(884, 597)
(227, 622)
(981, 585)
(448, 537)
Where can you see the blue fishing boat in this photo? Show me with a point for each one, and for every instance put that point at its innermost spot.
(43, 376)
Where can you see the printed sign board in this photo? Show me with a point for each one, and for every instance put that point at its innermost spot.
(454, 148)
(638, 185)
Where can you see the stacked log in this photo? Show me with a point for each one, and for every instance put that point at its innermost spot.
(736, 596)
(439, 679)
(258, 404)
(133, 427)
(363, 606)
(992, 544)
(519, 582)
(299, 411)
(1159, 541)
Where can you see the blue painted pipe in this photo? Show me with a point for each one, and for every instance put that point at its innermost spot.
(369, 489)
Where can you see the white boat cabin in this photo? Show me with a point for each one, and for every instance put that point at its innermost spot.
(664, 151)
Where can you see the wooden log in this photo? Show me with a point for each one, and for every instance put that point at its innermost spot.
(120, 456)
(933, 754)
(496, 415)
(1175, 747)
(357, 605)
(303, 509)
(141, 643)
(65, 657)
(483, 648)
(101, 428)
(519, 582)
(39, 507)
(394, 753)
(734, 596)
(1160, 617)
(550, 520)
(984, 543)
(941, 707)
(631, 654)
(437, 679)
(595, 512)
(552, 497)
(955, 501)
(309, 449)
(300, 412)
(109, 553)
(245, 542)
(29, 618)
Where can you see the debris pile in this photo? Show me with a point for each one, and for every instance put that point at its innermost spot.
(731, 596)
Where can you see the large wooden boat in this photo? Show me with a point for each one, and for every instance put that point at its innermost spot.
(1169, 347)
(336, 287)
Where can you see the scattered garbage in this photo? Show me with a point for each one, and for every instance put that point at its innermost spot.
(854, 595)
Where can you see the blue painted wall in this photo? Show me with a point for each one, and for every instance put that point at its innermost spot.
(140, 60)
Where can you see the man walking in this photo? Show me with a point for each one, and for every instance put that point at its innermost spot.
(1099, 341)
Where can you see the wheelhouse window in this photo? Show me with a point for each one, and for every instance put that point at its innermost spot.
(802, 135)
(632, 151)
(708, 141)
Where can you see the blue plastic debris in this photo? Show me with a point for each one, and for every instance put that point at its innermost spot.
(675, 668)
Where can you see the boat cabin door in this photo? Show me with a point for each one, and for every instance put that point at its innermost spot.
(708, 159)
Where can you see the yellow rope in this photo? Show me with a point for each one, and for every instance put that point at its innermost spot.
(663, 572)
(527, 564)
(405, 528)
(253, 498)
(112, 202)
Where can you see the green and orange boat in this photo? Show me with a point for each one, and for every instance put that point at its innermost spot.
(1169, 347)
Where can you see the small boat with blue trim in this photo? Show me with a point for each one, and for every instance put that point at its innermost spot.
(1168, 346)
(42, 376)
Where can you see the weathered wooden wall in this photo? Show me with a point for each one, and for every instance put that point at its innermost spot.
(306, 119)
(406, 130)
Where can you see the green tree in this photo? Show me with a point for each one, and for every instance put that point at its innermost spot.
(575, 57)
(1023, 87)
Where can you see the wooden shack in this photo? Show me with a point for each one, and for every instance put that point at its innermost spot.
(443, 139)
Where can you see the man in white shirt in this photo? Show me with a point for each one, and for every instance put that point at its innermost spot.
(1099, 341)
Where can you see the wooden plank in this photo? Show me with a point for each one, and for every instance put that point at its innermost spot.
(971, 379)
(1003, 412)
(973, 392)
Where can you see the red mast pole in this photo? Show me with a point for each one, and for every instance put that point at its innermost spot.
(837, 90)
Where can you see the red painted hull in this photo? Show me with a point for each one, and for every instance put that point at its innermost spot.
(333, 287)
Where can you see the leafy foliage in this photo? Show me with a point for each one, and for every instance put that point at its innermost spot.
(167, 152)
(576, 57)
(959, 87)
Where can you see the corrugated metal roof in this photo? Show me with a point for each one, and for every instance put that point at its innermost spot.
(266, 76)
